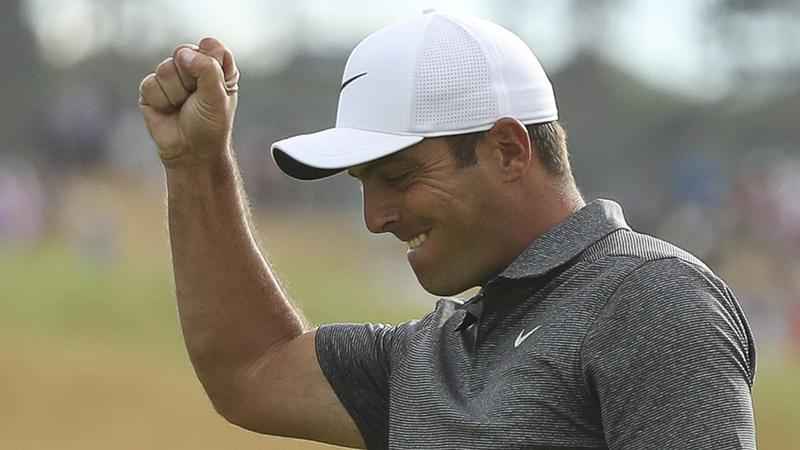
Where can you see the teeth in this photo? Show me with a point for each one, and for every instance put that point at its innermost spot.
(417, 241)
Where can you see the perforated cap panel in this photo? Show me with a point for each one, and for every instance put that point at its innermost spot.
(433, 75)
(453, 86)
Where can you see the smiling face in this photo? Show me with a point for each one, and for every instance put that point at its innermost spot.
(446, 213)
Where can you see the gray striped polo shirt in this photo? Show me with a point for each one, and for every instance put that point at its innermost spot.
(595, 337)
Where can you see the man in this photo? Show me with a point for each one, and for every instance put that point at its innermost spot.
(584, 334)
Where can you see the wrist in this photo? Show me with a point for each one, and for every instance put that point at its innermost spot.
(198, 159)
(212, 170)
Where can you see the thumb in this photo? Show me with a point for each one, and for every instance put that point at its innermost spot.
(206, 70)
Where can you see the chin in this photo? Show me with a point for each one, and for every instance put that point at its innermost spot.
(443, 288)
(443, 292)
(444, 279)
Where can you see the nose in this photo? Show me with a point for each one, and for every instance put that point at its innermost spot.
(380, 208)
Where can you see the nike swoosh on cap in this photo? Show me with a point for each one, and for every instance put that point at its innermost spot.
(354, 78)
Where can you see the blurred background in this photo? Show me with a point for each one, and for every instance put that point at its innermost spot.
(686, 112)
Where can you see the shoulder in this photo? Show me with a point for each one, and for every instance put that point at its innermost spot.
(670, 303)
(626, 266)
(648, 267)
(662, 287)
(659, 270)
(641, 247)
(671, 287)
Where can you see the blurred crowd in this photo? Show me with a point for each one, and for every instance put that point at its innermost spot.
(684, 112)
(743, 219)
(716, 174)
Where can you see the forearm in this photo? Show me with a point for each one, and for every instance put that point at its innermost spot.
(231, 306)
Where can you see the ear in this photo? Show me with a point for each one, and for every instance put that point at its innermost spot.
(509, 149)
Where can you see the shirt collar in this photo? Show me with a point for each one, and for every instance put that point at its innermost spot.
(567, 239)
(553, 249)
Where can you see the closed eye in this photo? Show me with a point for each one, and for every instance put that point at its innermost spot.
(397, 178)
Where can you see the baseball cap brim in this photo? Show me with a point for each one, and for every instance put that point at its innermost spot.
(326, 153)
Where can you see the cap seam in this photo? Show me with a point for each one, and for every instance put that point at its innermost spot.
(412, 106)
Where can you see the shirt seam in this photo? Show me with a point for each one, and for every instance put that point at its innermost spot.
(346, 404)
(643, 261)
(710, 278)
(422, 327)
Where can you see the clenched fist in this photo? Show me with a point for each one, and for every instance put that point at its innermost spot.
(189, 102)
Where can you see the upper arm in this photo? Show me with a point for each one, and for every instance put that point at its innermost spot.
(671, 362)
(285, 393)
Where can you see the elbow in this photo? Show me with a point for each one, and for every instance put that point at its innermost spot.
(223, 393)
(249, 421)
(234, 417)
(235, 412)
(238, 406)
(245, 396)
(224, 403)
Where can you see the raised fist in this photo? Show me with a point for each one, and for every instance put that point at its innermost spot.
(189, 102)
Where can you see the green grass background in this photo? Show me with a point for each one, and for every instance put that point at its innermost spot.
(92, 356)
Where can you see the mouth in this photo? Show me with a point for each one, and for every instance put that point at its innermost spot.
(417, 241)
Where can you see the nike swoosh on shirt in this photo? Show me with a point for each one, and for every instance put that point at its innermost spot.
(354, 78)
(523, 335)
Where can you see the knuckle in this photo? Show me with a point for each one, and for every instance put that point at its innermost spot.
(151, 93)
(213, 48)
(166, 69)
(207, 63)
(215, 57)
(164, 93)
(147, 81)
(183, 46)
(209, 43)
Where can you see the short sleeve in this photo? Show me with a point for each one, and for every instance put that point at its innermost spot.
(357, 360)
(671, 361)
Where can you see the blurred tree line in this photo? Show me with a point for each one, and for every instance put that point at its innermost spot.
(628, 137)
(717, 175)
(709, 173)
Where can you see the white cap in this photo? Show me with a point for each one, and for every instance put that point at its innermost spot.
(433, 75)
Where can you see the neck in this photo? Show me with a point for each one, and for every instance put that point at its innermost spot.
(538, 211)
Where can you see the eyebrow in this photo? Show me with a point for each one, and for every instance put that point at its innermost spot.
(367, 168)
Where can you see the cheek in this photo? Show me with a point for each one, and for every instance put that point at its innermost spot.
(459, 213)
(449, 193)
(426, 200)
(460, 247)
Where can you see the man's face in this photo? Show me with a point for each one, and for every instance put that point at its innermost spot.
(443, 211)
